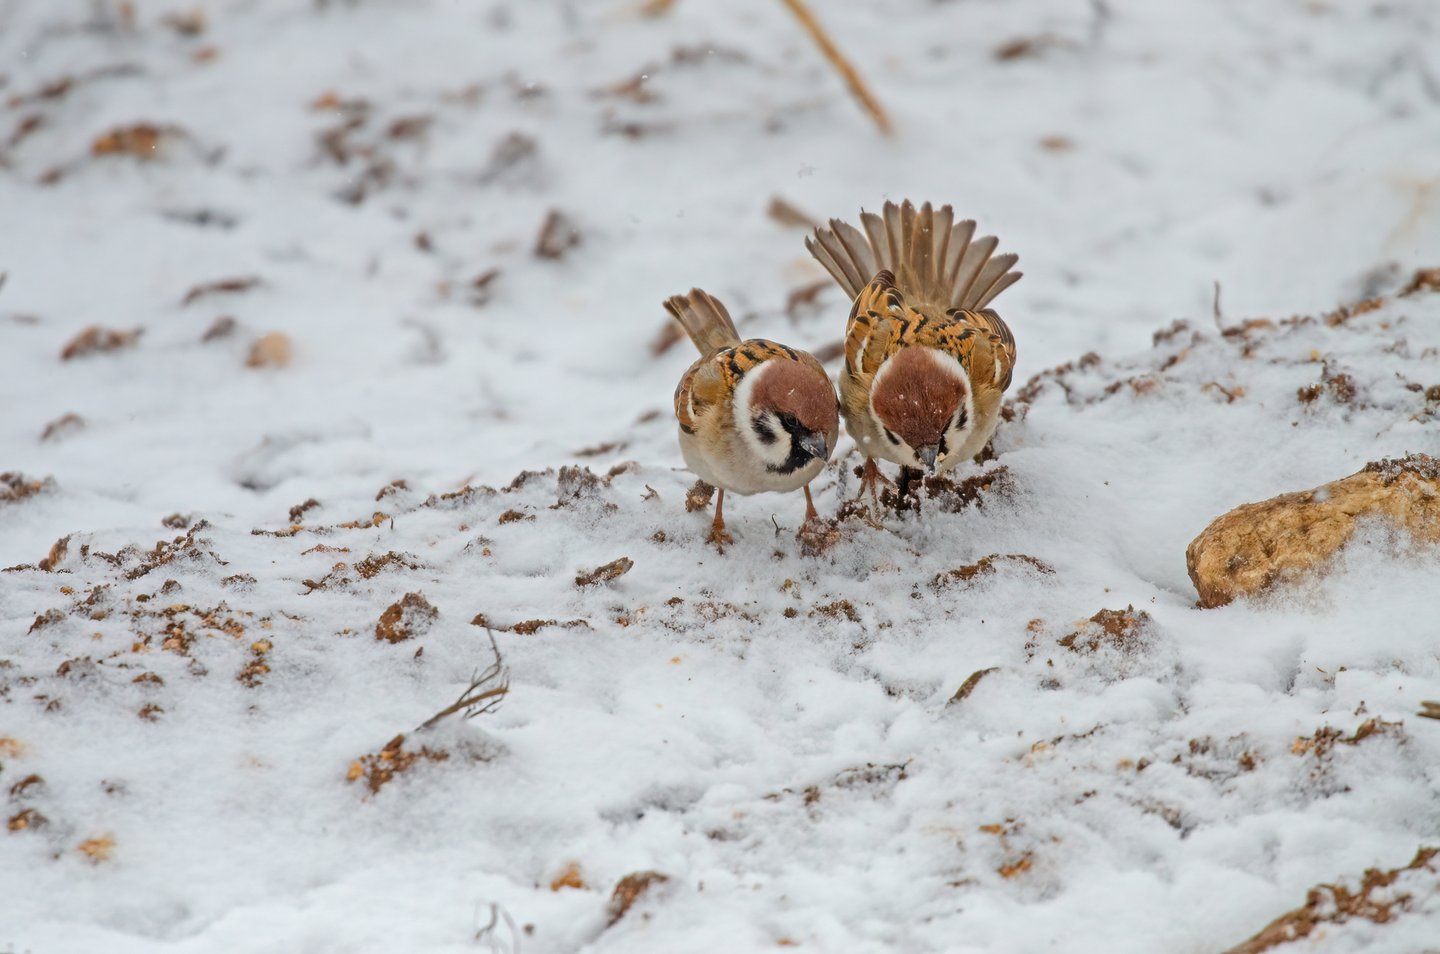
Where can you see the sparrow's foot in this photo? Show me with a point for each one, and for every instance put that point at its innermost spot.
(870, 481)
(719, 537)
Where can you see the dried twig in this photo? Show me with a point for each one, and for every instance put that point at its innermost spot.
(490, 934)
(484, 694)
(841, 64)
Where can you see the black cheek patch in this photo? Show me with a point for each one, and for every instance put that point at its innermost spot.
(763, 431)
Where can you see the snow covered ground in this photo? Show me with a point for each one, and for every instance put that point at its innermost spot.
(196, 732)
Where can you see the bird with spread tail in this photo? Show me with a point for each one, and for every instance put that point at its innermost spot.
(926, 361)
(754, 415)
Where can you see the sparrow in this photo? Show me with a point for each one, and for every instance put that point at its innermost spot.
(754, 415)
(926, 361)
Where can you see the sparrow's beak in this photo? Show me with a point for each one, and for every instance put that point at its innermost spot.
(813, 444)
(928, 455)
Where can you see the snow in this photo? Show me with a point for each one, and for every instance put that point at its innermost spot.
(792, 762)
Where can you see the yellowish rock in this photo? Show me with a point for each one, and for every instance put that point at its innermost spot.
(1260, 545)
(271, 350)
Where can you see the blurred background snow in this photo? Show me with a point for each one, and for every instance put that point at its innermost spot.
(370, 240)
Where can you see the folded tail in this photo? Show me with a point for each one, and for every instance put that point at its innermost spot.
(704, 319)
(935, 260)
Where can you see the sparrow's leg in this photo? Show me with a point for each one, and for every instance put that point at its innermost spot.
(871, 480)
(810, 512)
(718, 536)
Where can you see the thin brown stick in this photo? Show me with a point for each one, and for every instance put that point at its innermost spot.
(841, 64)
(477, 699)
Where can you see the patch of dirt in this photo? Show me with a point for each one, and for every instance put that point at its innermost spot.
(1337, 903)
(373, 565)
(410, 616)
(954, 496)
(1120, 629)
(379, 769)
(299, 510)
(818, 537)
(698, 497)
(838, 610)
(605, 574)
(986, 566)
(1424, 280)
(1324, 739)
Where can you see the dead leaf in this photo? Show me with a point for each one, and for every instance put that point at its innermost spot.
(97, 849)
(968, 686)
(220, 286)
(629, 890)
(97, 340)
(604, 574)
(142, 141)
(222, 327)
(569, 878)
(65, 424)
(557, 236)
(190, 23)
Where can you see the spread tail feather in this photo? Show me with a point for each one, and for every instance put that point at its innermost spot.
(704, 319)
(935, 259)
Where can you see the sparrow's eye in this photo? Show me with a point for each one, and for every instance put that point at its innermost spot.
(789, 422)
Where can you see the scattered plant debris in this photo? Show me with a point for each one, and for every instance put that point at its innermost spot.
(299, 510)
(1337, 903)
(698, 497)
(97, 849)
(486, 691)
(58, 551)
(379, 769)
(1324, 740)
(968, 686)
(605, 574)
(220, 287)
(558, 235)
(818, 537)
(63, 426)
(1424, 280)
(569, 877)
(629, 890)
(838, 609)
(986, 566)
(141, 141)
(222, 327)
(97, 340)
(1120, 629)
(409, 617)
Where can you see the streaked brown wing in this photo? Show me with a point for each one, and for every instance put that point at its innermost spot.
(871, 332)
(703, 387)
